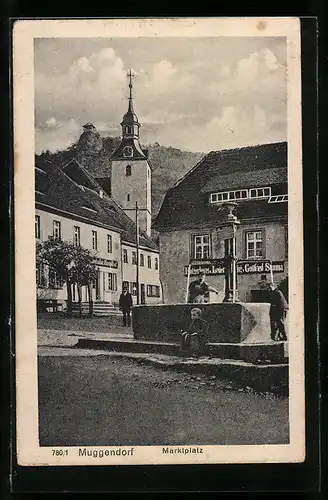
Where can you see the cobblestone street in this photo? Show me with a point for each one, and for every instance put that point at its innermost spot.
(96, 398)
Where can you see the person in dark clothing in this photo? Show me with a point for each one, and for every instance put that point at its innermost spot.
(194, 341)
(278, 313)
(125, 305)
(198, 290)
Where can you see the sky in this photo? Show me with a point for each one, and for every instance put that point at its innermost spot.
(195, 94)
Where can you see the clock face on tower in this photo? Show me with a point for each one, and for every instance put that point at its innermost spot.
(128, 151)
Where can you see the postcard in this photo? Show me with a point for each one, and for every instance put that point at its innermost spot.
(158, 202)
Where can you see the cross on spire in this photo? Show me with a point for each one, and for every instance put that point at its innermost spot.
(130, 75)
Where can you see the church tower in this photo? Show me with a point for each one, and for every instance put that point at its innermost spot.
(130, 170)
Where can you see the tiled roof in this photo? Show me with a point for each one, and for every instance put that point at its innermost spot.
(55, 189)
(80, 175)
(238, 180)
(97, 164)
(187, 204)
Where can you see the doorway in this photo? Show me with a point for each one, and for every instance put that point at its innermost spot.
(98, 287)
(142, 294)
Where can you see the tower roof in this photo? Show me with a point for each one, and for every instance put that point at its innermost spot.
(130, 116)
(129, 147)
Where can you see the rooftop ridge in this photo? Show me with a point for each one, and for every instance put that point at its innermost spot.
(119, 221)
(248, 147)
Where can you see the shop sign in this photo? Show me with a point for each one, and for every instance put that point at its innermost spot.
(216, 267)
(259, 267)
(106, 262)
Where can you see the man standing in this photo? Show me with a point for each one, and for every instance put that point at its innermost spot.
(278, 313)
(198, 289)
(125, 305)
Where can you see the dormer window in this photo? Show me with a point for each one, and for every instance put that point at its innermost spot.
(128, 151)
(259, 193)
(240, 194)
(128, 170)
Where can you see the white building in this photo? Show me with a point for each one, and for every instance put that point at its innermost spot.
(70, 205)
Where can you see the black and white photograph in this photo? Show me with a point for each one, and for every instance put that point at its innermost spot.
(158, 203)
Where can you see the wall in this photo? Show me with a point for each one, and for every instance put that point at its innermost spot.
(137, 186)
(176, 250)
(227, 323)
(147, 276)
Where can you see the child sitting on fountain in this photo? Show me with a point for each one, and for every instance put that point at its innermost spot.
(194, 341)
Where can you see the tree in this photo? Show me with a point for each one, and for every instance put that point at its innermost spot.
(74, 264)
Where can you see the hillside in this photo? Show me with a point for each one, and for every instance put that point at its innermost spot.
(93, 152)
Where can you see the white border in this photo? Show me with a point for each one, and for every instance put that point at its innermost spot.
(29, 451)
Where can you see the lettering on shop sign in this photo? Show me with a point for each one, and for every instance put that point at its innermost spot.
(216, 267)
(107, 263)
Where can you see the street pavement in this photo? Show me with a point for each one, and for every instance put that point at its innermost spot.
(97, 398)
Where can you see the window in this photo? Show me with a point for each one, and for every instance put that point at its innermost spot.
(156, 263)
(109, 243)
(94, 240)
(134, 258)
(254, 244)
(125, 256)
(127, 197)
(37, 227)
(153, 291)
(55, 280)
(112, 282)
(240, 194)
(56, 232)
(76, 236)
(228, 246)
(128, 129)
(202, 246)
(142, 259)
(133, 288)
(149, 261)
(128, 151)
(128, 170)
(260, 192)
(279, 198)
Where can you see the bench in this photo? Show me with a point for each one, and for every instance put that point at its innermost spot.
(44, 304)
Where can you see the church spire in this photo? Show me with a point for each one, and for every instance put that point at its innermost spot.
(130, 123)
(130, 75)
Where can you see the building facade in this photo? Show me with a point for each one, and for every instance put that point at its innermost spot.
(191, 229)
(70, 205)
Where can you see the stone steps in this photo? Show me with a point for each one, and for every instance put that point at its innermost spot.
(261, 353)
(99, 309)
(262, 376)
